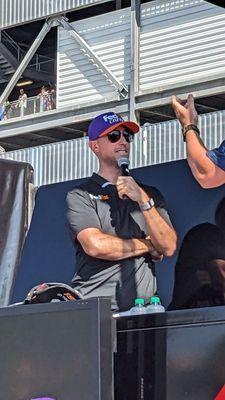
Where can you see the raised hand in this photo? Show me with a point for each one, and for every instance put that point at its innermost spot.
(185, 110)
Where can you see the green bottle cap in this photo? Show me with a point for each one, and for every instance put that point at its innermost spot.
(139, 301)
(155, 300)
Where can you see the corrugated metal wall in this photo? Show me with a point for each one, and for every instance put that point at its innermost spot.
(180, 41)
(79, 81)
(15, 12)
(155, 144)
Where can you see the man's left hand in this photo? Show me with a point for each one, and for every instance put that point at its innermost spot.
(127, 186)
(185, 110)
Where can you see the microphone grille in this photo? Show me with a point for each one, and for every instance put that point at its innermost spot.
(123, 160)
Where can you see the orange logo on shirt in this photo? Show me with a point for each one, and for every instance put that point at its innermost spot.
(102, 197)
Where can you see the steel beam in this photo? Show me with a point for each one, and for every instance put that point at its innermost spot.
(22, 66)
(28, 73)
(205, 107)
(38, 75)
(134, 65)
(121, 88)
(8, 56)
(154, 112)
(10, 146)
(198, 87)
(2, 75)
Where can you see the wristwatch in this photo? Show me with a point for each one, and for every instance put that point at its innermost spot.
(148, 205)
(190, 127)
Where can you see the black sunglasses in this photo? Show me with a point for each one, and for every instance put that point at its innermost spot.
(114, 136)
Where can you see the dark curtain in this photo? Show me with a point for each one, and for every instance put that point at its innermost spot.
(14, 192)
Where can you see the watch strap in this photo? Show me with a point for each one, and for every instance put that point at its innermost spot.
(148, 205)
(190, 127)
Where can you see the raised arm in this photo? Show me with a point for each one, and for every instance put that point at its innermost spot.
(204, 170)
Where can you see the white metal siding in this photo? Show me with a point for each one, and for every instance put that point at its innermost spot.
(79, 81)
(15, 12)
(155, 144)
(180, 41)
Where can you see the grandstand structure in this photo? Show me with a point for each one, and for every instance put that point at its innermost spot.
(129, 56)
(62, 62)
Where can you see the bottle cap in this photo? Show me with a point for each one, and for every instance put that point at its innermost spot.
(139, 301)
(155, 299)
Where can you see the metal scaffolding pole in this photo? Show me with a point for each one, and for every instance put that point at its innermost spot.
(121, 88)
(24, 63)
(134, 67)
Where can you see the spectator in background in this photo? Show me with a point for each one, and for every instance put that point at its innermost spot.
(4, 109)
(200, 266)
(45, 99)
(53, 96)
(22, 102)
(1, 112)
(7, 108)
(200, 269)
(41, 96)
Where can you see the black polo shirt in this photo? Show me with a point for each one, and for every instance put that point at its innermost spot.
(96, 204)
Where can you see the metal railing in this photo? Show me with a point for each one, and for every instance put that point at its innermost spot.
(38, 62)
(32, 105)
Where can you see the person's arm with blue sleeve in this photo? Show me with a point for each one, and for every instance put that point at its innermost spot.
(207, 166)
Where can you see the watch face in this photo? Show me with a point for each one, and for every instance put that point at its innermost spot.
(151, 202)
(148, 205)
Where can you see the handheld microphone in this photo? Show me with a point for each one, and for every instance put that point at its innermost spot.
(123, 163)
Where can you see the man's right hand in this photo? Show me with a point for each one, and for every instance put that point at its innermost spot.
(101, 245)
(185, 110)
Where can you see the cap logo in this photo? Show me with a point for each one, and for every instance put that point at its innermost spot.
(103, 123)
(111, 119)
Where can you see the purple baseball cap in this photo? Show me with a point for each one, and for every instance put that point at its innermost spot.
(107, 122)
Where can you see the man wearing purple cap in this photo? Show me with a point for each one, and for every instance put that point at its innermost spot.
(207, 166)
(119, 227)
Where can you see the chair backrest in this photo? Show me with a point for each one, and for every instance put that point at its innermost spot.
(48, 253)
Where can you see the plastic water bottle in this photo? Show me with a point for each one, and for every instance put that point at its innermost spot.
(155, 306)
(139, 307)
(121, 314)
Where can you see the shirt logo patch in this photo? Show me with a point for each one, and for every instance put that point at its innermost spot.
(102, 197)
